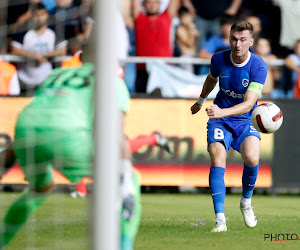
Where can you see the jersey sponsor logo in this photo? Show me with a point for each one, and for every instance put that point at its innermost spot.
(232, 93)
(245, 82)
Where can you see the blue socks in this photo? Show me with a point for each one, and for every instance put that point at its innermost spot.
(249, 179)
(218, 189)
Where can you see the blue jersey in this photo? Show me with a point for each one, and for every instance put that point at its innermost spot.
(234, 79)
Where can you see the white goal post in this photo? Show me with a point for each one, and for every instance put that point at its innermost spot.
(106, 214)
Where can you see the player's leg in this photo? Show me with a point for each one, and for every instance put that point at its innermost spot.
(130, 194)
(219, 140)
(75, 160)
(19, 212)
(129, 228)
(29, 147)
(155, 138)
(218, 156)
(250, 151)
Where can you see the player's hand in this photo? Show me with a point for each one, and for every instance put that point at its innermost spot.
(128, 207)
(195, 108)
(214, 112)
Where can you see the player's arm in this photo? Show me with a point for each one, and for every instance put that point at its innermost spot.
(251, 96)
(208, 86)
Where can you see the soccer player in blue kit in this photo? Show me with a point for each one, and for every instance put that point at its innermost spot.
(241, 77)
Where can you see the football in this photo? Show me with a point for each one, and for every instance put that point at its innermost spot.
(267, 118)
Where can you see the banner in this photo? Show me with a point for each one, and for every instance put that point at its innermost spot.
(9, 110)
(188, 165)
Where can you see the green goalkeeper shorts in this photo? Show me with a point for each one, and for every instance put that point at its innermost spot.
(69, 151)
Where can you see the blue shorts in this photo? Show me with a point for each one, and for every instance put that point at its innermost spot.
(231, 132)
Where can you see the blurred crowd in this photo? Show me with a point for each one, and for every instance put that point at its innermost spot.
(198, 29)
(40, 30)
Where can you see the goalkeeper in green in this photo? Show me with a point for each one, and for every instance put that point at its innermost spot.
(56, 131)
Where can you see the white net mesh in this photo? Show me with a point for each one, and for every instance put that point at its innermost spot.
(36, 36)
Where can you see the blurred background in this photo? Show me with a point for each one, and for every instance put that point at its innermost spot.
(164, 48)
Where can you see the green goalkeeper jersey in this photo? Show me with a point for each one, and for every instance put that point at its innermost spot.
(63, 101)
(58, 123)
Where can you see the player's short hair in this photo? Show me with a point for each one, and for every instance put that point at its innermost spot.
(241, 26)
(183, 10)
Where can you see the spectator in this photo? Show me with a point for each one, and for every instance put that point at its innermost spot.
(86, 7)
(263, 49)
(290, 15)
(209, 14)
(218, 42)
(269, 16)
(86, 13)
(37, 46)
(9, 83)
(186, 36)
(256, 23)
(73, 21)
(292, 62)
(163, 5)
(129, 68)
(122, 37)
(152, 31)
(22, 19)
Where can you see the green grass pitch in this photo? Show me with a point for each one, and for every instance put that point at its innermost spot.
(166, 223)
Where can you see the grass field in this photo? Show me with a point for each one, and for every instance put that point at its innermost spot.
(166, 223)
